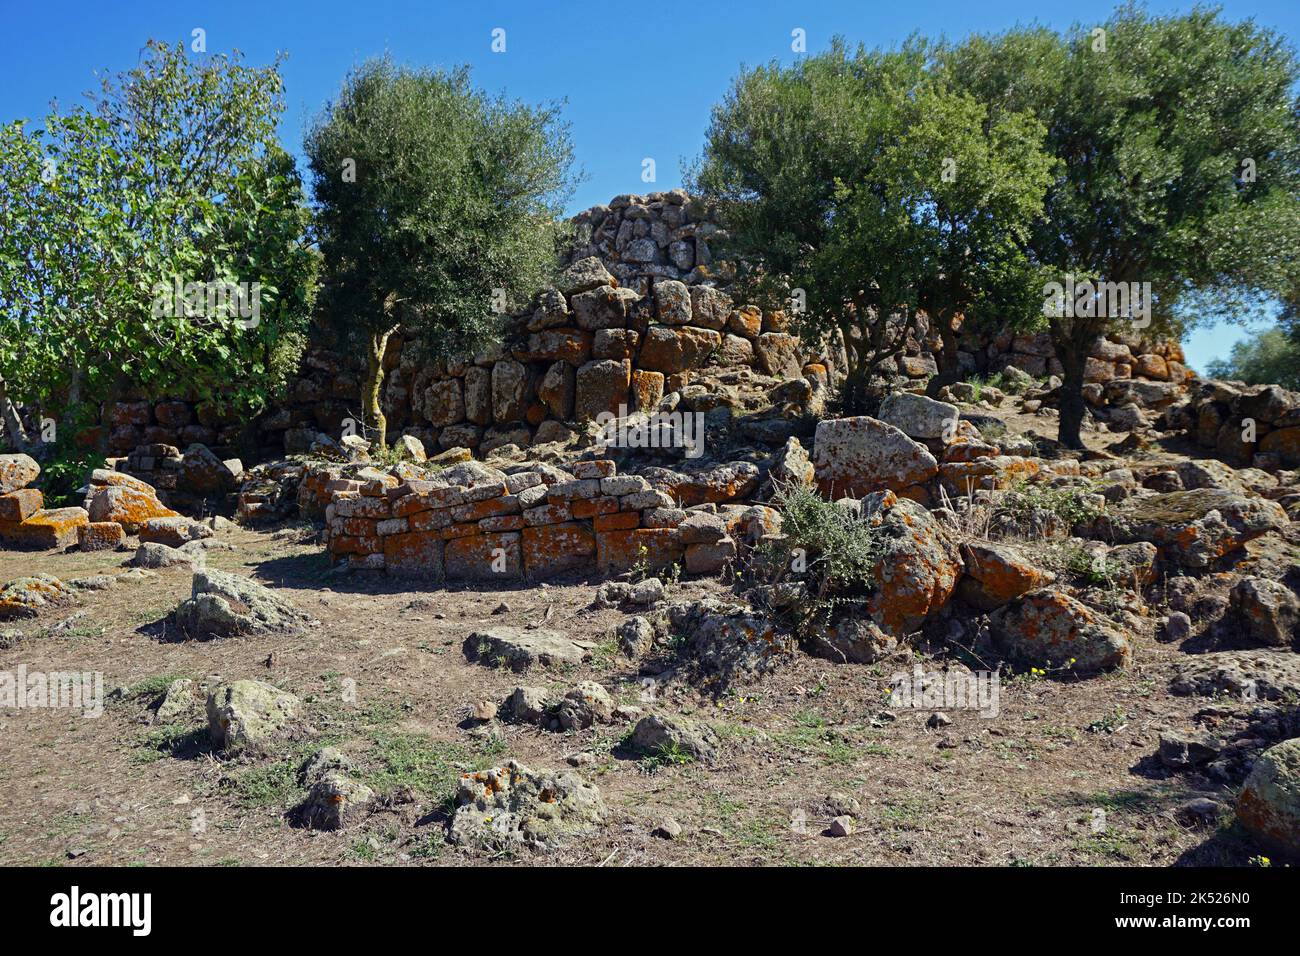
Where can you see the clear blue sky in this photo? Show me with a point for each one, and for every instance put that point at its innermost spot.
(638, 78)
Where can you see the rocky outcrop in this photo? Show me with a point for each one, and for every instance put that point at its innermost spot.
(225, 605)
(513, 805)
(1194, 528)
(1048, 628)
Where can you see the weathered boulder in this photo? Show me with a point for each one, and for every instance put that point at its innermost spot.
(174, 532)
(520, 649)
(919, 566)
(601, 386)
(584, 274)
(223, 605)
(1267, 611)
(335, 802)
(26, 597)
(586, 704)
(1247, 675)
(660, 734)
(246, 715)
(996, 574)
(513, 805)
(1049, 628)
(128, 505)
(1194, 528)
(857, 456)
(917, 416)
(727, 640)
(792, 466)
(1269, 803)
(17, 471)
(153, 555)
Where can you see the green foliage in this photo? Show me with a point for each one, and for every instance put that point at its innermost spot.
(66, 472)
(842, 549)
(437, 209)
(172, 176)
(1179, 142)
(832, 548)
(877, 191)
(1026, 500)
(1272, 357)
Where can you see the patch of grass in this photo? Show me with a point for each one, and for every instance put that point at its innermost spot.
(273, 784)
(1025, 500)
(670, 754)
(428, 767)
(151, 686)
(169, 740)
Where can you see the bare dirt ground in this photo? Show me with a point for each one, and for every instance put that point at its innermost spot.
(1024, 788)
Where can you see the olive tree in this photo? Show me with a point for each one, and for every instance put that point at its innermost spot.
(1179, 176)
(437, 211)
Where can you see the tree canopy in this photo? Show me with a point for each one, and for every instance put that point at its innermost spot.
(438, 210)
(171, 178)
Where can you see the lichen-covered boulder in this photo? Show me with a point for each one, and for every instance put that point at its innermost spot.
(857, 456)
(335, 802)
(586, 704)
(727, 640)
(1246, 675)
(17, 471)
(174, 532)
(1269, 804)
(223, 605)
(1049, 628)
(659, 734)
(513, 805)
(127, 505)
(1194, 528)
(520, 649)
(26, 597)
(919, 566)
(996, 574)
(917, 416)
(246, 715)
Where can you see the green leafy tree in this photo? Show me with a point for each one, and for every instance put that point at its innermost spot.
(1179, 141)
(173, 177)
(437, 211)
(878, 193)
(1270, 358)
(970, 188)
(792, 160)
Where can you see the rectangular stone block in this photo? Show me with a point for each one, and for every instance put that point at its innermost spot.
(419, 501)
(553, 549)
(618, 551)
(600, 468)
(548, 514)
(590, 507)
(618, 521)
(434, 520)
(415, 554)
(100, 536)
(485, 557)
(21, 504)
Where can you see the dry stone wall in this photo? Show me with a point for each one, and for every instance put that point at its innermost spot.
(643, 307)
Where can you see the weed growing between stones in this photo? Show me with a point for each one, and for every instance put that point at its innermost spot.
(831, 547)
